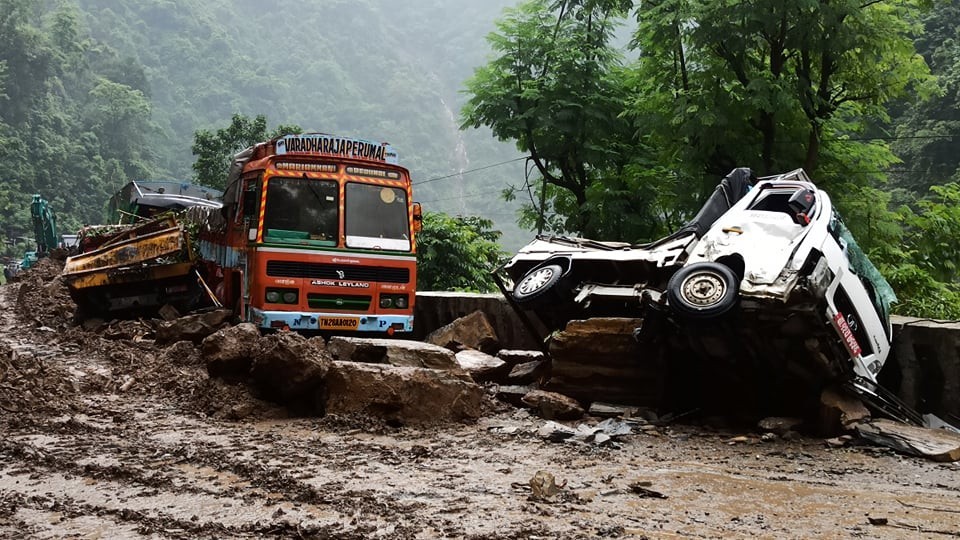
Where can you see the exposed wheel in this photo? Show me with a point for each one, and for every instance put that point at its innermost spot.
(536, 283)
(702, 290)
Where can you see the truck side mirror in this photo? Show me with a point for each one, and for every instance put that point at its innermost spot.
(417, 217)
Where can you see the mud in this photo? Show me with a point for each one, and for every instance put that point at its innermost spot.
(106, 435)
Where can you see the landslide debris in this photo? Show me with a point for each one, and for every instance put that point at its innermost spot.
(98, 360)
(200, 364)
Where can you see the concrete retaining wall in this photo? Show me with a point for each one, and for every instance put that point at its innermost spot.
(924, 369)
(436, 309)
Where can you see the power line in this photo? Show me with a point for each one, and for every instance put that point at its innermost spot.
(458, 197)
(877, 138)
(468, 171)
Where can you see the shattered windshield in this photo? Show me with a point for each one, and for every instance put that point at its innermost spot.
(882, 294)
(301, 210)
(376, 217)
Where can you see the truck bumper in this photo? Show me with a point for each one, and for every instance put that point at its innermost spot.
(299, 320)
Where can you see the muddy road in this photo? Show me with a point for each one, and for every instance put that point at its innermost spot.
(106, 435)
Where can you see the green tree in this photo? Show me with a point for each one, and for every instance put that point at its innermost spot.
(556, 88)
(215, 149)
(28, 57)
(773, 84)
(927, 131)
(119, 116)
(914, 243)
(457, 253)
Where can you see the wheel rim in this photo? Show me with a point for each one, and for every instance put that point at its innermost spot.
(703, 289)
(535, 281)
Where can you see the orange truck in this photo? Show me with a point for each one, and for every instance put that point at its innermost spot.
(316, 232)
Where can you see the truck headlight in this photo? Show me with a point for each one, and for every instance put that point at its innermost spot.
(820, 277)
(286, 296)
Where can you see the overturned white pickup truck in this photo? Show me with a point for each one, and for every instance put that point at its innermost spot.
(766, 264)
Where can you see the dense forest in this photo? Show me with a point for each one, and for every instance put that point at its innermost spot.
(94, 93)
(629, 111)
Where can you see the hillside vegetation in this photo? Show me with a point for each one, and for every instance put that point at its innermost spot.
(630, 112)
(97, 92)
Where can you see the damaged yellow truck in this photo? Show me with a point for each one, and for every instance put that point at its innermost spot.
(140, 267)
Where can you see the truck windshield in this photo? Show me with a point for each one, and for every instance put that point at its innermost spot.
(301, 210)
(376, 217)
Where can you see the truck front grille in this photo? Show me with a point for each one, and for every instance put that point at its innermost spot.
(378, 274)
(339, 301)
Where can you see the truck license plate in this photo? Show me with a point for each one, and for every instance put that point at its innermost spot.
(339, 323)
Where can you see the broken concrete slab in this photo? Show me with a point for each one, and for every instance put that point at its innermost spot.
(935, 444)
(607, 410)
(473, 332)
(192, 327)
(291, 370)
(400, 394)
(396, 352)
(229, 352)
(481, 366)
(553, 406)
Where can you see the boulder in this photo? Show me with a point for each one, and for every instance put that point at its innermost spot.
(192, 327)
(553, 406)
(515, 356)
(599, 360)
(513, 394)
(435, 309)
(290, 370)
(840, 411)
(396, 352)
(481, 366)
(229, 352)
(528, 372)
(473, 332)
(779, 425)
(402, 395)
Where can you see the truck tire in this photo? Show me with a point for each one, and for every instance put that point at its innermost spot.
(537, 283)
(702, 290)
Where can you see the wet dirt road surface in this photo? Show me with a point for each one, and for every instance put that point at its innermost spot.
(105, 435)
